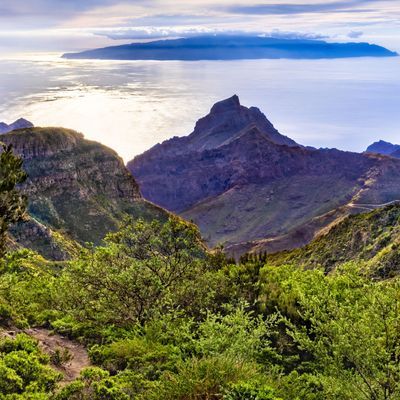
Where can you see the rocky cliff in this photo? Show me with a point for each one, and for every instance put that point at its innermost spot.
(78, 190)
(241, 181)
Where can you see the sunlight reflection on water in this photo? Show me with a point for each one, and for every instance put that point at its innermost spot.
(132, 105)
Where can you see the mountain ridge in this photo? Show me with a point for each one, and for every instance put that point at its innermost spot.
(78, 191)
(247, 187)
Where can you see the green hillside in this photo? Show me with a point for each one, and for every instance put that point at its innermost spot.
(371, 239)
(152, 314)
(78, 190)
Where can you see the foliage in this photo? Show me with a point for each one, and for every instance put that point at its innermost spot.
(164, 318)
(370, 239)
(60, 356)
(25, 289)
(349, 329)
(142, 270)
(249, 391)
(24, 370)
(12, 203)
(204, 378)
(96, 384)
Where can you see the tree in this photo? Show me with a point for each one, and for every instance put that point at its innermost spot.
(352, 331)
(144, 268)
(12, 203)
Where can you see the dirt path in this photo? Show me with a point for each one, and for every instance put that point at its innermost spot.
(371, 207)
(49, 343)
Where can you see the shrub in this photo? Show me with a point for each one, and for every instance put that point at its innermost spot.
(248, 391)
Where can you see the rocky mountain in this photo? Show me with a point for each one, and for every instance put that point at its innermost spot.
(372, 239)
(78, 191)
(248, 186)
(386, 148)
(20, 123)
(230, 47)
(395, 154)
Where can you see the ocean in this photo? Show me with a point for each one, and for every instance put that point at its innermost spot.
(132, 105)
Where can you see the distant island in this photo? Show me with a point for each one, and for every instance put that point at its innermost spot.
(233, 48)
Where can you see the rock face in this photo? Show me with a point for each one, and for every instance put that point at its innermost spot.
(241, 181)
(78, 190)
(18, 124)
(228, 124)
(385, 148)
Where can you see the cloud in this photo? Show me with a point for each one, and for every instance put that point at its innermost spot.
(60, 8)
(101, 22)
(355, 34)
(25, 14)
(277, 33)
(299, 8)
(151, 32)
(172, 20)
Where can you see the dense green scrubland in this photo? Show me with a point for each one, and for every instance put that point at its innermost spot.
(370, 239)
(164, 318)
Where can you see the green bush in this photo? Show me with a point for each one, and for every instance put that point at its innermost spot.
(138, 354)
(203, 379)
(24, 369)
(97, 384)
(249, 391)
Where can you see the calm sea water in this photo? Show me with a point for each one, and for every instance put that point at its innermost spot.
(131, 106)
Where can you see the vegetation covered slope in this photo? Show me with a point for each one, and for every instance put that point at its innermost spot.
(78, 190)
(163, 318)
(372, 238)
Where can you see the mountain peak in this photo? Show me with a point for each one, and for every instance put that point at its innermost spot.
(230, 104)
(383, 147)
(20, 123)
(226, 120)
(241, 181)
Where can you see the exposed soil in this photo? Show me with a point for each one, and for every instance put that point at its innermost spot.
(50, 342)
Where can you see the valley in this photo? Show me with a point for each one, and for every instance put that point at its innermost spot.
(199, 200)
(109, 291)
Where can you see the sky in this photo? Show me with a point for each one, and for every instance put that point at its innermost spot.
(71, 25)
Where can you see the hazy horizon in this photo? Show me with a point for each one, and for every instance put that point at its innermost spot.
(131, 106)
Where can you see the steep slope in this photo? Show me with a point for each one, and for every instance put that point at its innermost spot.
(77, 189)
(396, 153)
(227, 121)
(251, 183)
(230, 47)
(372, 238)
